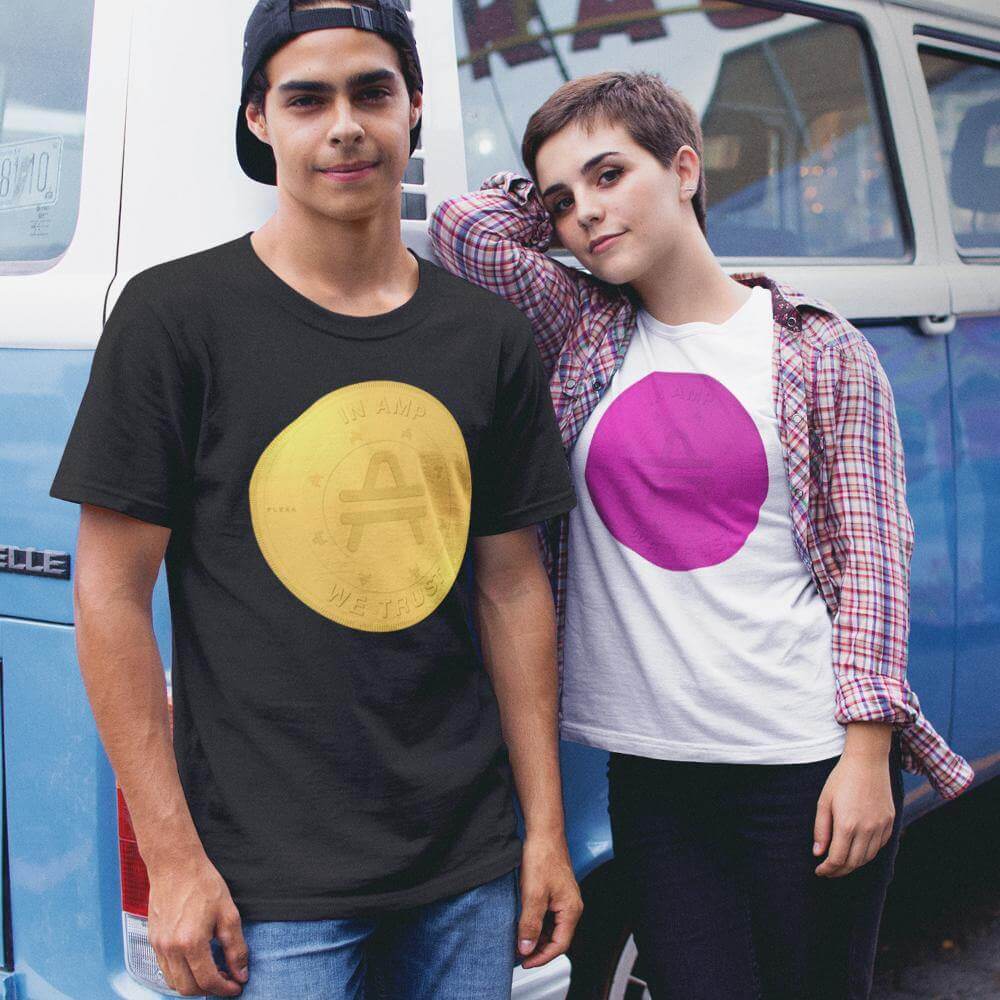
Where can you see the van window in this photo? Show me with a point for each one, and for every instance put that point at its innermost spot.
(965, 96)
(796, 161)
(44, 63)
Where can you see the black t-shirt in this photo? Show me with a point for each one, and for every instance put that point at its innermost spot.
(337, 736)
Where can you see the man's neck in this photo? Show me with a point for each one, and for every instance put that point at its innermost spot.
(359, 268)
(690, 286)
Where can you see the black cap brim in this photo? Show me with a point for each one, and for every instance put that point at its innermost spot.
(256, 157)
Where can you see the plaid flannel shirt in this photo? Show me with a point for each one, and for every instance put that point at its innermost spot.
(839, 436)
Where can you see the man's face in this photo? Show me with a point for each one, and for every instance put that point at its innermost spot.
(613, 204)
(338, 118)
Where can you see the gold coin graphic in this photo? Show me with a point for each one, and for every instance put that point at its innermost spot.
(361, 505)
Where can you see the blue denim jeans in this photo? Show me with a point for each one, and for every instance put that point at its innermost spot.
(453, 949)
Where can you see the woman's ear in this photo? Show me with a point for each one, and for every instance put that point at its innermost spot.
(687, 166)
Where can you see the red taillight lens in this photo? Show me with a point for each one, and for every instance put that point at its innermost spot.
(135, 879)
(140, 960)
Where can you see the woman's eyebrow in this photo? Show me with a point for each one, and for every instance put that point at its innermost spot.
(589, 165)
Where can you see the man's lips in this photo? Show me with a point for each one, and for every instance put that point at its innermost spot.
(603, 243)
(350, 171)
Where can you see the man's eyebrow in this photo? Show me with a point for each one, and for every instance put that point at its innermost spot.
(358, 80)
(308, 86)
(589, 165)
(374, 76)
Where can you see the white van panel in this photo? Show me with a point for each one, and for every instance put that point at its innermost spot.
(183, 189)
(984, 11)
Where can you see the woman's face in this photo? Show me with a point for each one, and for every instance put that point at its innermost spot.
(613, 204)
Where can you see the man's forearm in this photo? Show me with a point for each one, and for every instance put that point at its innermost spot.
(123, 674)
(517, 632)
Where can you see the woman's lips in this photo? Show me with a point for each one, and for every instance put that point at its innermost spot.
(605, 243)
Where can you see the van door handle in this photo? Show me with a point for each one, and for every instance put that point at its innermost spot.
(936, 326)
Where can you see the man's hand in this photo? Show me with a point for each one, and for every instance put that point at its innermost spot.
(550, 901)
(188, 906)
(855, 813)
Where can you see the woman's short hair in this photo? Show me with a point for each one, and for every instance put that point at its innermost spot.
(656, 116)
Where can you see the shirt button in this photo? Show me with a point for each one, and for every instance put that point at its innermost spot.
(797, 493)
(598, 384)
(571, 383)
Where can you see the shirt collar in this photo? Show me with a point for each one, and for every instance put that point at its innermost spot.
(786, 300)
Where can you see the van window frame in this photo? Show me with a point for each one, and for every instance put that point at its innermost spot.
(959, 47)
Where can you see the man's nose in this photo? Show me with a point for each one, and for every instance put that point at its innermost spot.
(344, 126)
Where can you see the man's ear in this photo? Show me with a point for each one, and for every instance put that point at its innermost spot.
(416, 108)
(256, 122)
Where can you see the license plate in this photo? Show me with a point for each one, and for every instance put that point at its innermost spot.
(29, 173)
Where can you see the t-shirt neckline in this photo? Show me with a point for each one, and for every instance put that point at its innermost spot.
(677, 332)
(375, 327)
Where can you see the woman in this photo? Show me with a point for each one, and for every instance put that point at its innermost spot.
(733, 586)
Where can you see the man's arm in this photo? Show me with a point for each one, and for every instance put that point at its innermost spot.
(496, 237)
(117, 561)
(516, 622)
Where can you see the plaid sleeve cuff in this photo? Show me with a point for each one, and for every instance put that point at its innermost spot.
(925, 752)
(874, 698)
(519, 188)
(520, 191)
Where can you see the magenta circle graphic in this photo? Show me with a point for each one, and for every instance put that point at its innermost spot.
(677, 471)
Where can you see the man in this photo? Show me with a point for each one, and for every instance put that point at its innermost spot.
(301, 422)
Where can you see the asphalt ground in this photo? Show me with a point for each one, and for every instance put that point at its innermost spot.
(940, 937)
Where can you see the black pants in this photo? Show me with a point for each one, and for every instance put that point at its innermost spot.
(717, 860)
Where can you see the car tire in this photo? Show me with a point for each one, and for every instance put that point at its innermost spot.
(604, 956)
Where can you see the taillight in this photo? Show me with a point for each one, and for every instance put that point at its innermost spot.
(140, 959)
(135, 880)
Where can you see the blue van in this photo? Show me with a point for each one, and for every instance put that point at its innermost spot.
(852, 148)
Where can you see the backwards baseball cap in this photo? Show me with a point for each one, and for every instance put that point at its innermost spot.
(273, 23)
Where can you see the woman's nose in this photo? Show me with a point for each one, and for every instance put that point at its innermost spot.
(588, 212)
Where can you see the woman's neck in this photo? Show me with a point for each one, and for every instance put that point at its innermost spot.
(689, 286)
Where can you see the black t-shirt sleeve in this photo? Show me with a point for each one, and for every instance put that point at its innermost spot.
(521, 477)
(130, 446)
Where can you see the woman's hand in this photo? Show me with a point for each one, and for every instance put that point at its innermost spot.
(855, 813)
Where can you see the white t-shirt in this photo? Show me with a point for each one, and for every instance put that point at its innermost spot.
(694, 631)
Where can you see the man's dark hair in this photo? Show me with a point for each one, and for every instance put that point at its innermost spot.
(258, 84)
